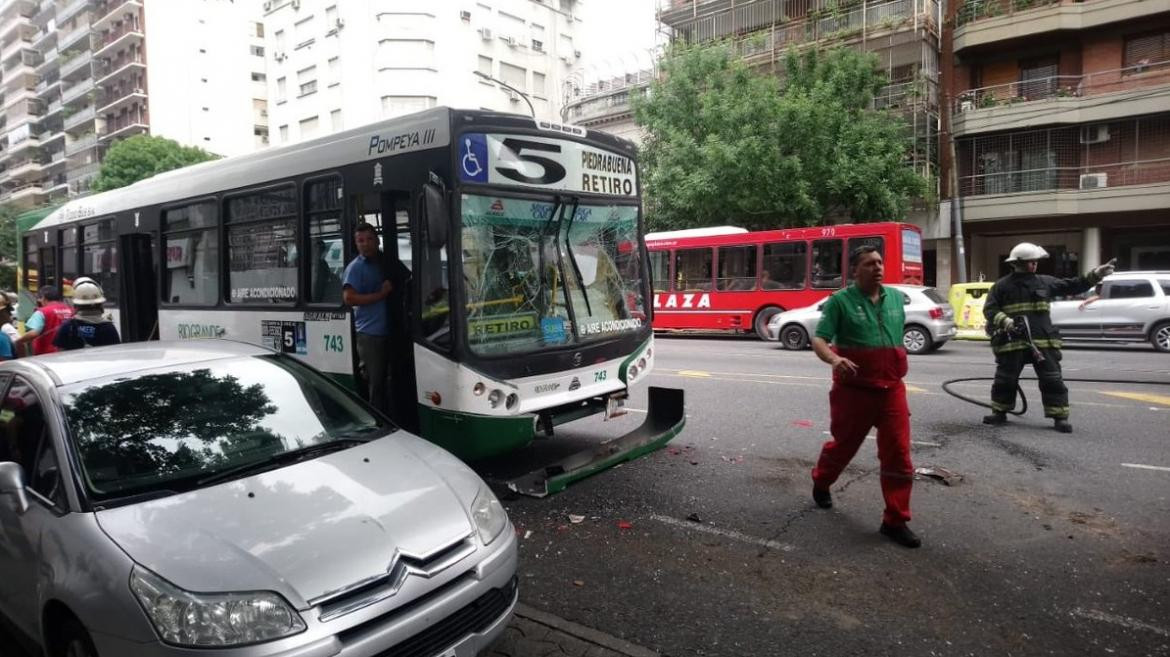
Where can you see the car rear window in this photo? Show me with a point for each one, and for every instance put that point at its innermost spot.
(934, 295)
(1165, 284)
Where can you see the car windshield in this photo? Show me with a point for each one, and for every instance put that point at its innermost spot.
(165, 431)
(545, 274)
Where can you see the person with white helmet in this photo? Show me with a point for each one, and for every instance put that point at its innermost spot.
(1022, 332)
(88, 327)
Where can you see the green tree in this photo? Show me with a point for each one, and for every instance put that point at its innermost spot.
(143, 156)
(8, 238)
(728, 145)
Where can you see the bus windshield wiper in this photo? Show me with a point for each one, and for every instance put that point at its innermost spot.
(540, 245)
(277, 460)
(573, 258)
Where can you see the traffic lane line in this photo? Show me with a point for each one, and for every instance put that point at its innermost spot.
(724, 533)
(1123, 621)
(1146, 397)
(1141, 466)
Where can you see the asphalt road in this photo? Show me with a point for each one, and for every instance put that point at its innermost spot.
(1051, 544)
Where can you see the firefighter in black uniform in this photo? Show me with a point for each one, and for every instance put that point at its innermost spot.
(1017, 313)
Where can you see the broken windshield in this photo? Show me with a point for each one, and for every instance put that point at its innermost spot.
(542, 274)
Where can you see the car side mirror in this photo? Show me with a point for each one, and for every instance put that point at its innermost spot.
(12, 485)
(435, 205)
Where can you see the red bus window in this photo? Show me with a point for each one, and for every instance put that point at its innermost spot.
(737, 268)
(826, 268)
(855, 242)
(660, 270)
(784, 266)
(692, 270)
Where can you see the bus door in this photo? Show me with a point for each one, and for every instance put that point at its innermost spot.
(139, 302)
(388, 213)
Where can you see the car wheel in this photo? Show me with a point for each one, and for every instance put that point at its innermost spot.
(74, 641)
(762, 318)
(794, 337)
(1160, 337)
(916, 339)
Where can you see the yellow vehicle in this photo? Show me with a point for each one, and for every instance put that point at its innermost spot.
(967, 299)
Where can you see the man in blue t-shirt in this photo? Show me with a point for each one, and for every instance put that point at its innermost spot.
(365, 287)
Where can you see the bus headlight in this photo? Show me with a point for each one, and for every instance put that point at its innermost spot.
(495, 397)
(478, 389)
(511, 402)
(489, 515)
(632, 372)
(641, 363)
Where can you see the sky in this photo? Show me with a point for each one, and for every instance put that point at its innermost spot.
(617, 35)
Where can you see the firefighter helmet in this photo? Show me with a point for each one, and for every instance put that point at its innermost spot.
(1025, 251)
(88, 293)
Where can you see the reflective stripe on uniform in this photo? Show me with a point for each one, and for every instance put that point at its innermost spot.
(1017, 345)
(1056, 411)
(1001, 408)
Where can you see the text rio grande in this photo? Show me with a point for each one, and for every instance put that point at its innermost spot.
(682, 301)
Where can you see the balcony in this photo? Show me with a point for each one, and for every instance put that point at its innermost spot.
(78, 64)
(124, 127)
(73, 9)
(82, 172)
(48, 62)
(19, 21)
(111, 11)
(123, 35)
(71, 39)
(1065, 99)
(86, 115)
(81, 144)
(53, 108)
(28, 169)
(30, 194)
(44, 85)
(117, 98)
(14, 48)
(985, 22)
(110, 72)
(43, 38)
(70, 94)
(20, 94)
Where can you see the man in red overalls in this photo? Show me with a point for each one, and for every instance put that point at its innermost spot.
(42, 327)
(864, 322)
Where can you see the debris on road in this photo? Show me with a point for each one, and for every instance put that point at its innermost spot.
(578, 582)
(625, 524)
(575, 519)
(694, 517)
(939, 474)
(807, 424)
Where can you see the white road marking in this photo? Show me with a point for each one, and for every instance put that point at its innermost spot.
(1139, 466)
(1124, 621)
(725, 533)
(912, 442)
(635, 410)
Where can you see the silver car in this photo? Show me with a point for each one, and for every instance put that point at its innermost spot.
(216, 498)
(930, 321)
(1125, 307)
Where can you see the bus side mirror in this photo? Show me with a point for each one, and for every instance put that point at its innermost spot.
(435, 206)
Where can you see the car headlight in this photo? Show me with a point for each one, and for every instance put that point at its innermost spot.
(489, 515)
(213, 619)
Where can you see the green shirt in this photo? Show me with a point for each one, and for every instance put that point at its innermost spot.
(850, 319)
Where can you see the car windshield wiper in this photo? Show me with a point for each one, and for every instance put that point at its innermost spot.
(573, 258)
(277, 460)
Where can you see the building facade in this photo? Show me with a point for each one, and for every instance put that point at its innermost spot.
(79, 75)
(904, 34)
(334, 64)
(605, 103)
(1060, 113)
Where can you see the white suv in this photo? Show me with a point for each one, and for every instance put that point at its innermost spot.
(1125, 307)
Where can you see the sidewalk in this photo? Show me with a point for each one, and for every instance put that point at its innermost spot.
(534, 633)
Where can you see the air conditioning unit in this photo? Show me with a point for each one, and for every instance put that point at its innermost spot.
(510, 40)
(296, 4)
(279, 56)
(485, 33)
(1094, 134)
(465, 15)
(340, 23)
(1094, 180)
(267, 5)
(537, 46)
(512, 95)
(577, 54)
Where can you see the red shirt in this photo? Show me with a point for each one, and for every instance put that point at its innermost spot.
(55, 313)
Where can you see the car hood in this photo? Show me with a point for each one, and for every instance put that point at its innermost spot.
(304, 530)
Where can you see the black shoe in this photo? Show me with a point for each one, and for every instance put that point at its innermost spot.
(823, 498)
(1061, 425)
(997, 417)
(901, 535)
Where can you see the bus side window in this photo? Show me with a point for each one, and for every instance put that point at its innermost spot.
(877, 242)
(192, 254)
(737, 268)
(660, 270)
(826, 264)
(784, 266)
(692, 269)
(99, 257)
(326, 242)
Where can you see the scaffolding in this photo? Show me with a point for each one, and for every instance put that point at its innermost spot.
(904, 34)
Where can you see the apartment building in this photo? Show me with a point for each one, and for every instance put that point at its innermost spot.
(334, 64)
(604, 102)
(79, 75)
(904, 34)
(1060, 113)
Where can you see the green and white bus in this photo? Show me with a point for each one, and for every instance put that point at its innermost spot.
(515, 247)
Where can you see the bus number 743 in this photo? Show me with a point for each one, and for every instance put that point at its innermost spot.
(334, 343)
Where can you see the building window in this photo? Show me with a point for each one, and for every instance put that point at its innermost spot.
(280, 41)
(334, 71)
(281, 90)
(262, 246)
(737, 268)
(309, 127)
(259, 29)
(99, 257)
(513, 76)
(330, 17)
(257, 51)
(303, 29)
(335, 120)
(538, 46)
(258, 77)
(284, 134)
(307, 88)
(398, 105)
(485, 65)
(307, 81)
(1145, 49)
(538, 83)
(784, 266)
(192, 255)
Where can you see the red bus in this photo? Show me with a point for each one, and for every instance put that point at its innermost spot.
(726, 278)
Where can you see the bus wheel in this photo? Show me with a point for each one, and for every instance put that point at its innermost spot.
(794, 337)
(762, 318)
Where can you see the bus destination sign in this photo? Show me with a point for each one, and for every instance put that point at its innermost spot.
(546, 163)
